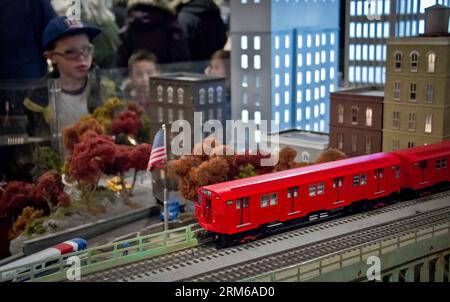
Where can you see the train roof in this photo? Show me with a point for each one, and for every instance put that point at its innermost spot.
(425, 152)
(276, 179)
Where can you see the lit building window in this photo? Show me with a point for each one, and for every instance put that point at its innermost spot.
(299, 115)
(287, 60)
(244, 42)
(308, 113)
(244, 61)
(300, 42)
(277, 99)
(369, 117)
(340, 114)
(277, 61)
(287, 42)
(299, 97)
(431, 62)
(287, 97)
(257, 62)
(257, 43)
(299, 60)
(286, 116)
(257, 117)
(277, 42)
(308, 40)
(245, 116)
(429, 123)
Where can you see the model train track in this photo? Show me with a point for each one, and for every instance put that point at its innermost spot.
(206, 252)
(312, 251)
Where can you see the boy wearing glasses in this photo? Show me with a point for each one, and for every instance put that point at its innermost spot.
(69, 52)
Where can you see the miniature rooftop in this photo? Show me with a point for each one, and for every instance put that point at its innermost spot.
(302, 138)
(187, 77)
(376, 91)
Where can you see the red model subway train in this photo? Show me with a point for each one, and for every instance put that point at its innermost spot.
(247, 208)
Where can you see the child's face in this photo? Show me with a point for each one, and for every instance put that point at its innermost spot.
(217, 68)
(141, 73)
(73, 56)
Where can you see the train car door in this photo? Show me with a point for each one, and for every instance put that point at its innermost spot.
(293, 198)
(338, 183)
(379, 179)
(208, 209)
(423, 165)
(242, 206)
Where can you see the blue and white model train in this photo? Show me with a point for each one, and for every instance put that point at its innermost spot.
(41, 260)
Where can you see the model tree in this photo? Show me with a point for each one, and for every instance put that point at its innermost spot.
(73, 135)
(105, 113)
(44, 159)
(90, 158)
(26, 218)
(18, 195)
(330, 155)
(128, 123)
(51, 188)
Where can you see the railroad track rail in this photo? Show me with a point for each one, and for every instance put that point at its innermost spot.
(312, 251)
(206, 252)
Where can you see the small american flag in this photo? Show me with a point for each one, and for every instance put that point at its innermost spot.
(158, 154)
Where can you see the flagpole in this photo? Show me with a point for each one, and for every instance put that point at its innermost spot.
(166, 212)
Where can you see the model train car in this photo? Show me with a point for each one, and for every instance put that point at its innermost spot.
(41, 260)
(245, 209)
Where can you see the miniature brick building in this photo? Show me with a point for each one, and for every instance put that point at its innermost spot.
(356, 120)
(417, 93)
(368, 26)
(176, 97)
(284, 61)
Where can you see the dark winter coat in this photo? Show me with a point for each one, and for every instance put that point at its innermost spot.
(203, 27)
(154, 29)
(22, 23)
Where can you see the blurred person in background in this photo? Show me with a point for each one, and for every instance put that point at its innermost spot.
(142, 65)
(203, 27)
(22, 23)
(152, 25)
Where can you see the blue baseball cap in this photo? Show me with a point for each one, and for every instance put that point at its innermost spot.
(62, 26)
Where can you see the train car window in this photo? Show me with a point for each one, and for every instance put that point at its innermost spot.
(396, 171)
(320, 188)
(444, 163)
(292, 190)
(312, 190)
(363, 179)
(264, 201)
(245, 202)
(230, 202)
(438, 164)
(273, 199)
(238, 204)
(356, 180)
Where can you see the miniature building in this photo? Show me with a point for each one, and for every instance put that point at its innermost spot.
(417, 95)
(368, 26)
(356, 120)
(309, 145)
(284, 61)
(176, 97)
